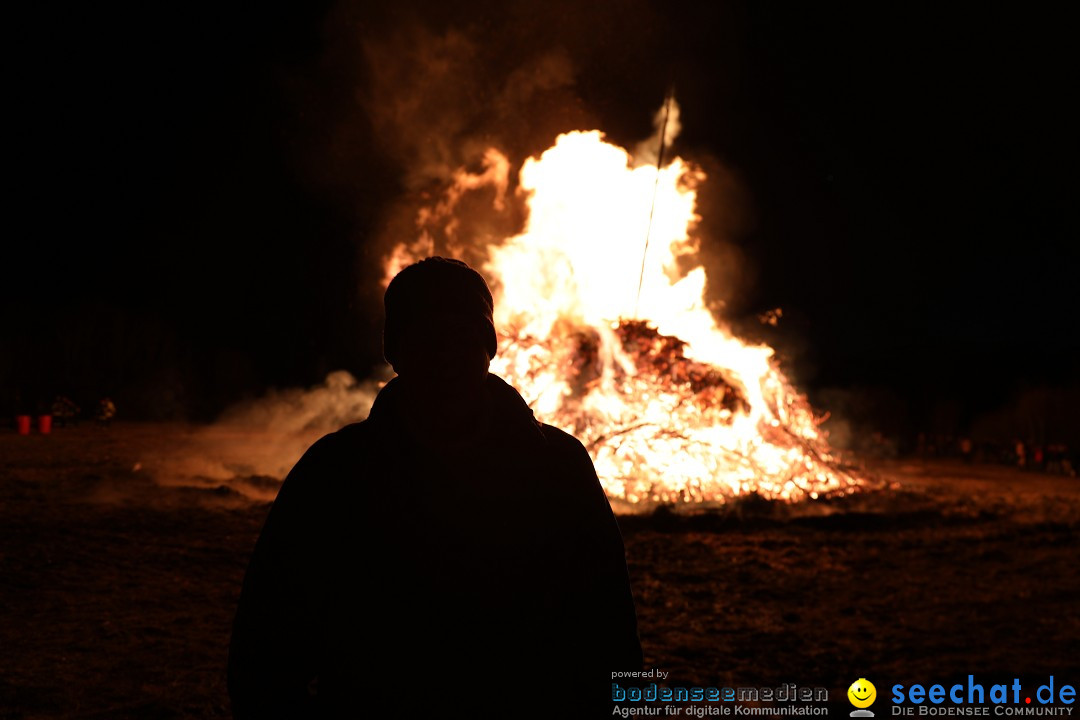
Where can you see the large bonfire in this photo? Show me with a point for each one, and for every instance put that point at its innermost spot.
(614, 343)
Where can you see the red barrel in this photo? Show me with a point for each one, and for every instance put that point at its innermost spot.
(22, 423)
(44, 424)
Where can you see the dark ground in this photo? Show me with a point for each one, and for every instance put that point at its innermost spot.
(117, 593)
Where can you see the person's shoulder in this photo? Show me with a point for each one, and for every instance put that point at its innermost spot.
(348, 440)
(352, 433)
(330, 464)
(575, 475)
(560, 439)
(565, 447)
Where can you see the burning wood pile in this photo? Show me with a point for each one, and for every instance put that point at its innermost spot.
(664, 427)
(672, 406)
(662, 356)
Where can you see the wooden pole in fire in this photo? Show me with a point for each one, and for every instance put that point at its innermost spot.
(652, 206)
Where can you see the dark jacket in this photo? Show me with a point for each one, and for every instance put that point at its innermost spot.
(474, 578)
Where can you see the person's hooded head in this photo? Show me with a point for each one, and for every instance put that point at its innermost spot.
(438, 330)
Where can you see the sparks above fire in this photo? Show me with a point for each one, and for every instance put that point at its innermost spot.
(672, 407)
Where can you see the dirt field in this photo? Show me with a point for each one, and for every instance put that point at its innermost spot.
(122, 552)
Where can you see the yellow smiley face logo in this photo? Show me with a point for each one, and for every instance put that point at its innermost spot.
(862, 693)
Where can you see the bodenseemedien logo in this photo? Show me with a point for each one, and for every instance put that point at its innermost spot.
(862, 694)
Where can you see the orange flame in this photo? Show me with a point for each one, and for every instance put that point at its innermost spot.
(671, 406)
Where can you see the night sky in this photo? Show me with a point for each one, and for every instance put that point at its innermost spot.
(200, 192)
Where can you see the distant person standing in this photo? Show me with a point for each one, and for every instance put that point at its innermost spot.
(967, 449)
(64, 410)
(106, 411)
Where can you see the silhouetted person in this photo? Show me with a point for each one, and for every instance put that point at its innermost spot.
(449, 552)
(106, 412)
